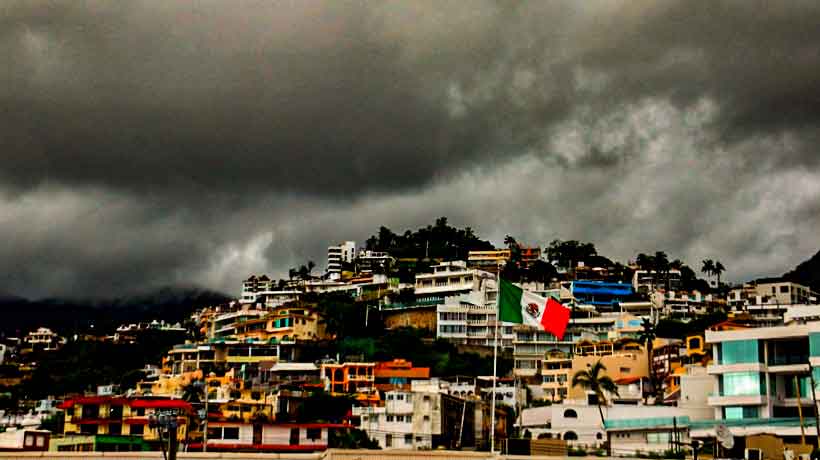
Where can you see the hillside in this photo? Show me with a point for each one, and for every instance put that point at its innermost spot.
(68, 316)
(807, 273)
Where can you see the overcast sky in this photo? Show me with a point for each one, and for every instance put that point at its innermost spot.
(176, 142)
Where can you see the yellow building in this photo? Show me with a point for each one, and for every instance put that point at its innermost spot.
(624, 359)
(555, 371)
(116, 416)
(284, 323)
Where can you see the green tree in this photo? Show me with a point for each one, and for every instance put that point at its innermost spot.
(593, 379)
(567, 254)
(662, 267)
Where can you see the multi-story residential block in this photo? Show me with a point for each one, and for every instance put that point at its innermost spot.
(44, 339)
(336, 255)
(682, 304)
(348, 378)
(285, 323)
(368, 261)
(398, 374)
(471, 318)
(556, 371)
(490, 261)
(602, 295)
(448, 279)
(255, 284)
(756, 370)
(222, 325)
(646, 281)
(391, 425)
(246, 358)
(769, 292)
(121, 419)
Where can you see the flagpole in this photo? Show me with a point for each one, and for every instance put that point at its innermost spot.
(495, 361)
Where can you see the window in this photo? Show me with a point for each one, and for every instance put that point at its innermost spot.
(739, 412)
(742, 384)
(570, 436)
(408, 439)
(139, 412)
(388, 440)
(389, 397)
(739, 351)
(549, 378)
(624, 370)
(399, 397)
(400, 418)
(115, 429)
(88, 429)
(136, 430)
(570, 413)
(784, 289)
(314, 434)
(599, 436)
(389, 418)
(230, 432)
(408, 418)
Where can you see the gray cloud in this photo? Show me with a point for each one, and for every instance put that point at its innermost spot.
(166, 142)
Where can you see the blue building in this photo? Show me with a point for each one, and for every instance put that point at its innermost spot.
(606, 296)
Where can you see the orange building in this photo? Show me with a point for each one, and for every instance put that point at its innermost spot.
(348, 377)
(397, 374)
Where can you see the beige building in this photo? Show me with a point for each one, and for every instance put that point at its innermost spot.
(556, 371)
(624, 360)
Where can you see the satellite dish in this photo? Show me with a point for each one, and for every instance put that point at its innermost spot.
(724, 436)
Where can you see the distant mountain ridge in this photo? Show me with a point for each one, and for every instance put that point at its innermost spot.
(71, 315)
(807, 273)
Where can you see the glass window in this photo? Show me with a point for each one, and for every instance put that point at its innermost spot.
(314, 433)
(739, 412)
(739, 351)
(742, 384)
(814, 344)
(136, 430)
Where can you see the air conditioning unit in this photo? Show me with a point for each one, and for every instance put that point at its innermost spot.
(753, 454)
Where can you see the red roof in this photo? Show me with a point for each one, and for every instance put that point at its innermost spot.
(162, 404)
(628, 380)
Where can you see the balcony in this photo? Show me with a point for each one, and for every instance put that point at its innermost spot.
(716, 399)
(738, 367)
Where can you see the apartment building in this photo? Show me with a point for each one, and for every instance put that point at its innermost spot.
(246, 358)
(646, 281)
(767, 292)
(336, 255)
(255, 284)
(347, 378)
(398, 374)
(624, 360)
(603, 296)
(470, 319)
(283, 323)
(44, 339)
(120, 417)
(490, 261)
(368, 261)
(448, 279)
(757, 368)
(682, 304)
(391, 425)
(556, 371)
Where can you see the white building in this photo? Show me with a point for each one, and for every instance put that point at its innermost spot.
(367, 261)
(336, 255)
(646, 281)
(471, 318)
(255, 284)
(392, 425)
(771, 293)
(449, 279)
(44, 339)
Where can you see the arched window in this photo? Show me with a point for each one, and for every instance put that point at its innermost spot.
(570, 413)
(570, 436)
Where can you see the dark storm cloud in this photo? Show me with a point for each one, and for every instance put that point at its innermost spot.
(152, 142)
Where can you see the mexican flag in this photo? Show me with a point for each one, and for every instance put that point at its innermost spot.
(518, 306)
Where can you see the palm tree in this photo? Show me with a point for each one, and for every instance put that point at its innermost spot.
(719, 268)
(593, 381)
(647, 336)
(311, 265)
(708, 267)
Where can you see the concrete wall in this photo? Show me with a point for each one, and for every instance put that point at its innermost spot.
(422, 317)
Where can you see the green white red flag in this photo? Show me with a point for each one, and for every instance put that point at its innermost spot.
(516, 305)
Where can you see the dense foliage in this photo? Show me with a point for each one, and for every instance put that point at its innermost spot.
(439, 241)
